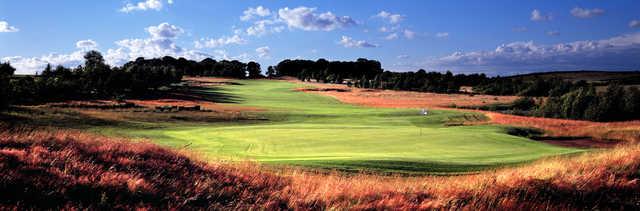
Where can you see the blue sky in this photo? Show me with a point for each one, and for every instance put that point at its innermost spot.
(496, 37)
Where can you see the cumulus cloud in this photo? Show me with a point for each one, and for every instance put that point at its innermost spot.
(251, 13)
(586, 13)
(634, 24)
(30, 65)
(164, 31)
(161, 42)
(349, 42)
(86, 44)
(442, 34)
(391, 36)
(616, 53)
(536, 15)
(391, 18)
(263, 52)
(263, 27)
(219, 42)
(409, 34)
(142, 6)
(5, 27)
(307, 19)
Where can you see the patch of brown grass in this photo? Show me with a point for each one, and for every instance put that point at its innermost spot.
(66, 169)
(402, 99)
(73, 170)
(627, 130)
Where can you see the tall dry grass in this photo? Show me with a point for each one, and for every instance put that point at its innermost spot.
(628, 131)
(66, 169)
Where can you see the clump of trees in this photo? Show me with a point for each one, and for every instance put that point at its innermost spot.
(6, 71)
(96, 79)
(206, 67)
(327, 71)
(614, 104)
(535, 87)
(369, 74)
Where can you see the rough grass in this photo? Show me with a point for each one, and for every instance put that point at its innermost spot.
(74, 170)
(71, 170)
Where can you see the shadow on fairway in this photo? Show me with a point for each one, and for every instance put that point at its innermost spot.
(393, 166)
(212, 94)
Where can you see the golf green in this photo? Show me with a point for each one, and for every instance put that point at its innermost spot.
(317, 131)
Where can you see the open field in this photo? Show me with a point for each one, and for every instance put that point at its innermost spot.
(315, 131)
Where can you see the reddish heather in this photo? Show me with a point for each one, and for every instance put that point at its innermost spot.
(64, 170)
(627, 131)
(402, 99)
(72, 170)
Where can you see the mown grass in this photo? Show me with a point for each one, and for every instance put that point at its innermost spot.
(316, 131)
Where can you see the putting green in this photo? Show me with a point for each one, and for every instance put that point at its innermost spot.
(318, 131)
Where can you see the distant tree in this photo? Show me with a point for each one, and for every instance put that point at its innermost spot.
(271, 72)
(524, 103)
(254, 70)
(6, 72)
(631, 103)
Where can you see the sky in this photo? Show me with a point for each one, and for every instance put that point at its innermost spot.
(494, 37)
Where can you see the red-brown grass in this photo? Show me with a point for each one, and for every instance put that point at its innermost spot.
(66, 169)
(402, 99)
(626, 131)
(74, 170)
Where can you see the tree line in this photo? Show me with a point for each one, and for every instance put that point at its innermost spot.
(614, 104)
(366, 73)
(96, 79)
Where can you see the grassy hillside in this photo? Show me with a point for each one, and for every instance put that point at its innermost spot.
(318, 131)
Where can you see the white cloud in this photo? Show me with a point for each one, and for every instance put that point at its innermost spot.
(391, 18)
(219, 42)
(616, 53)
(391, 36)
(5, 27)
(263, 27)
(442, 34)
(164, 31)
(306, 19)
(553, 33)
(30, 65)
(169, 1)
(263, 52)
(142, 6)
(634, 23)
(349, 42)
(403, 56)
(161, 42)
(536, 15)
(87, 44)
(586, 13)
(409, 34)
(259, 11)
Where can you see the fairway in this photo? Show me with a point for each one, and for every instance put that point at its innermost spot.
(317, 131)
